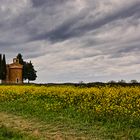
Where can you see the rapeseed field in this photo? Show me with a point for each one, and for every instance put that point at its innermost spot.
(120, 104)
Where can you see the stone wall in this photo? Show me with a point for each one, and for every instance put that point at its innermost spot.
(15, 75)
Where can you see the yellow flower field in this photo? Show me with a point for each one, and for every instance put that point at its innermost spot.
(102, 103)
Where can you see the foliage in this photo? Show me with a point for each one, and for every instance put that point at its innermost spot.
(93, 84)
(122, 81)
(133, 81)
(31, 73)
(2, 67)
(28, 69)
(19, 56)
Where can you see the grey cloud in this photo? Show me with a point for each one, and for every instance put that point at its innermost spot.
(74, 44)
(60, 33)
(65, 30)
(38, 3)
(134, 48)
(5, 44)
(125, 50)
(75, 58)
(125, 13)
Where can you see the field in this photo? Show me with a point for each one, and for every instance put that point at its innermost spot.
(68, 112)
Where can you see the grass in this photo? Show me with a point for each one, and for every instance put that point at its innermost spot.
(10, 134)
(70, 123)
(29, 117)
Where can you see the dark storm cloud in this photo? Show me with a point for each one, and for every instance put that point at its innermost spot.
(60, 33)
(38, 3)
(65, 31)
(124, 13)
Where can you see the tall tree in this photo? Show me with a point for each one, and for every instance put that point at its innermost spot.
(3, 67)
(28, 69)
(0, 66)
(19, 56)
(31, 73)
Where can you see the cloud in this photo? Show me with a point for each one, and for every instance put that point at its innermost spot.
(84, 22)
(73, 40)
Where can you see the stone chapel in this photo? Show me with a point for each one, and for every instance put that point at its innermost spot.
(14, 73)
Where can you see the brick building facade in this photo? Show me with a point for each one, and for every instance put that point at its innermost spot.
(14, 73)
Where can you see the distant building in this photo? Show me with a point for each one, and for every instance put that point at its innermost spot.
(14, 73)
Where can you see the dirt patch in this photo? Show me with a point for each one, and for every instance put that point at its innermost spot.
(38, 129)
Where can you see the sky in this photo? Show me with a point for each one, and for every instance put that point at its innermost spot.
(73, 40)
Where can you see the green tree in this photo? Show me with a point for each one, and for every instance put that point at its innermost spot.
(3, 68)
(19, 56)
(29, 73)
(122, 81)
(112, 82)
(21, 61)
(134, 81)
(0, 66)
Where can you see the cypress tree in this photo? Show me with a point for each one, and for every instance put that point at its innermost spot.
(31, 73)
(19, 57)
(3, 68)
(0, 66)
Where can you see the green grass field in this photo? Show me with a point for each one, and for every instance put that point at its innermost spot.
(10, 134)
(66, 112)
